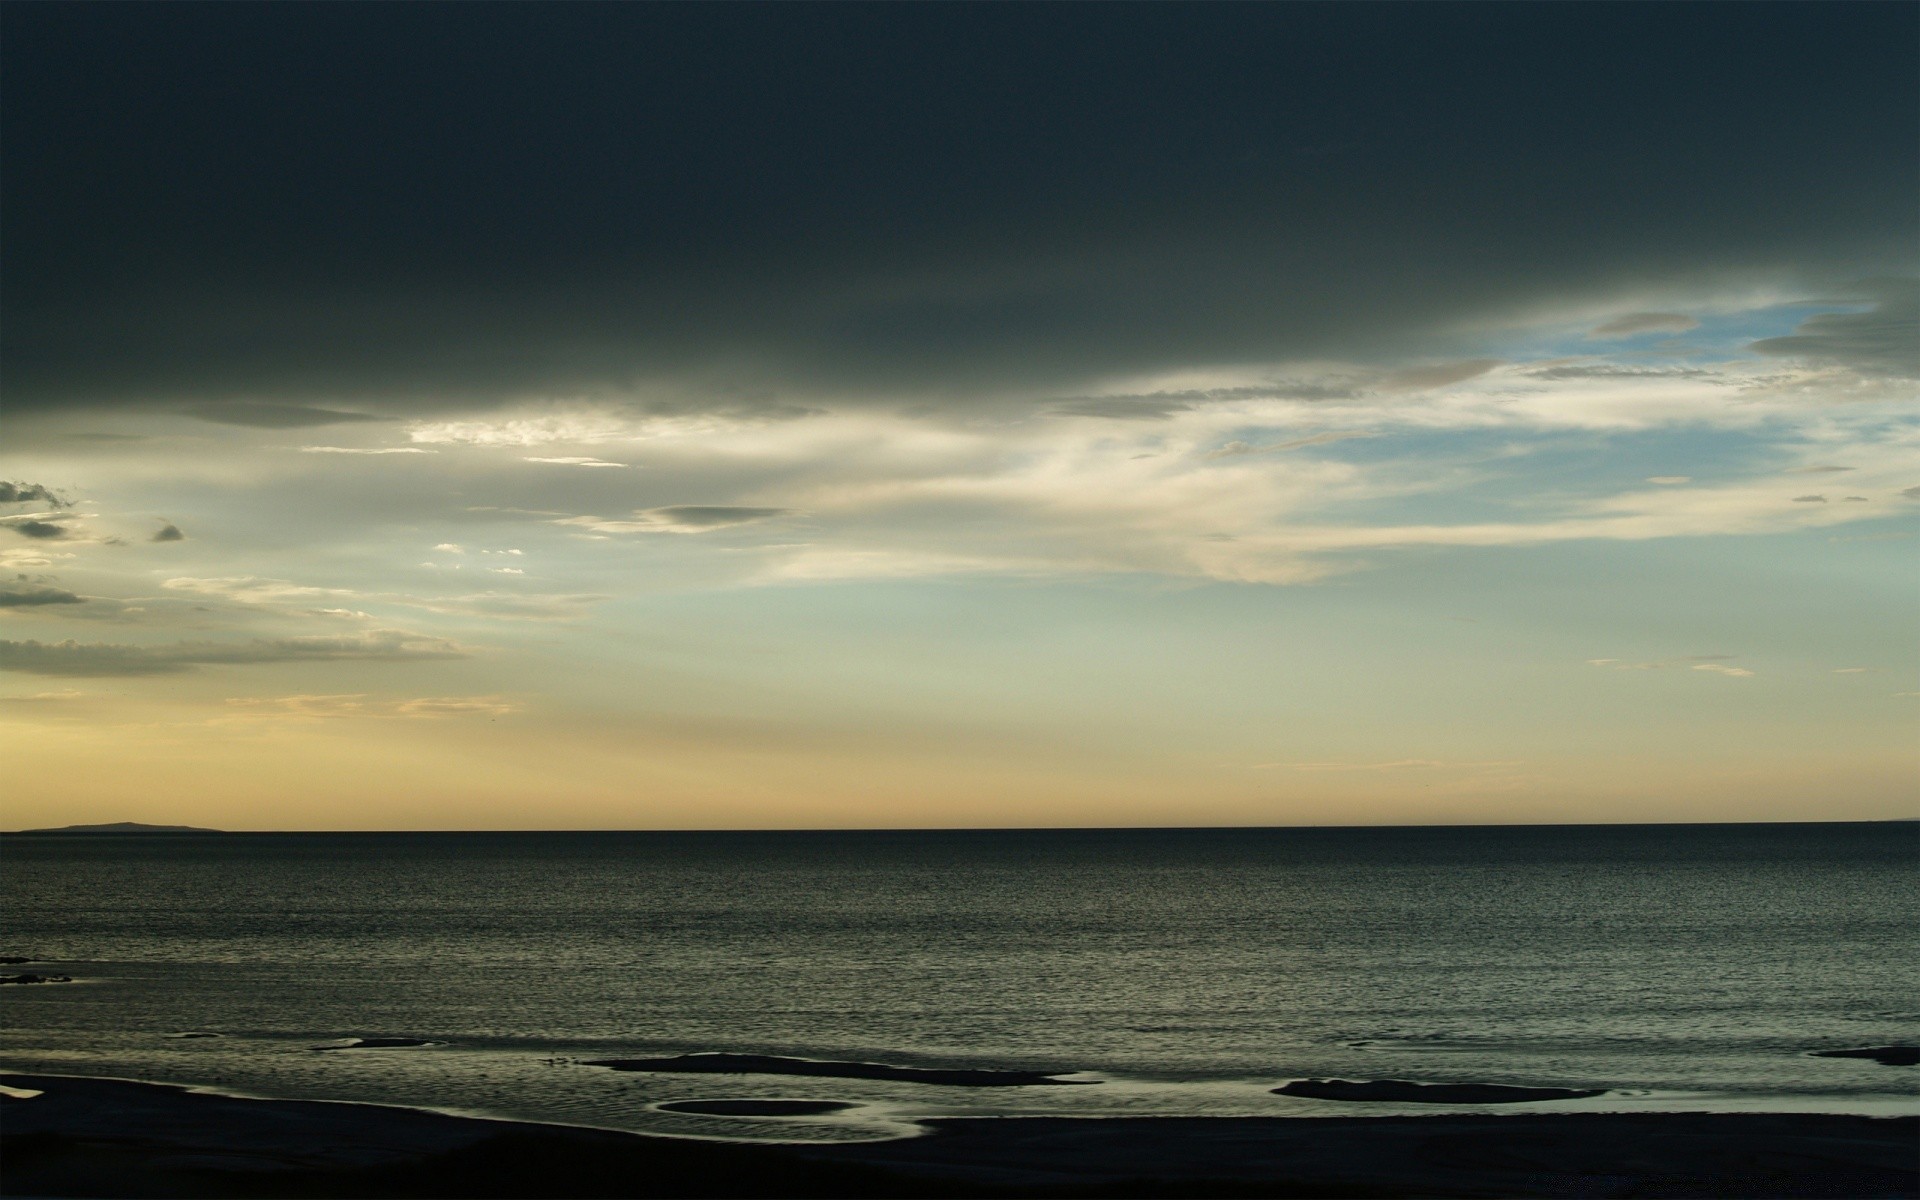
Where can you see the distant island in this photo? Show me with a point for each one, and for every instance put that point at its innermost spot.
(124, 827)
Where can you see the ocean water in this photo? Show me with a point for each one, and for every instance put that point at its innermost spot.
(1188, 971)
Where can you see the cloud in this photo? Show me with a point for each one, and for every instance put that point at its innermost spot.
(357, 450)
(1819, 470)
(22, 593)
(1809, 499)
(1436, 375)
(450, 548)
(1912, 493)
(45, 531)
(1882, 341)
(510, 606)
(275, 416)
(1669, 480)
(253, 590)
(1616, 371)
(682, 518)
(292, 597)
(1696, 662)
(39, 699)
(583, 427)
(576, 461)
(1124, 408)
(1722, 669)
(1237, 449)
(23, 493)
(1128, 193)
(348, 705)
(79, 659)
(168, 533)
(1632, 324)
(456, 706)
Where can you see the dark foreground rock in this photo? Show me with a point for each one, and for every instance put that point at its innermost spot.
(1402, 1091)
(768, 1064)
(36, 979)
(13, 960)
(1886, 1056)
(106, 1138)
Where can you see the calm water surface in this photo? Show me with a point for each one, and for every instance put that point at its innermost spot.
(1189, 970)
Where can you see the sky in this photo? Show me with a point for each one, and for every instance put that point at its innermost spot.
(792, 416)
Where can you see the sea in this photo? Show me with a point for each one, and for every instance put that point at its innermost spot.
(1182, 972)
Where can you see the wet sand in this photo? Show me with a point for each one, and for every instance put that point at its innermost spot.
(773, 1064)
(93, 1137)
(1403, 1091)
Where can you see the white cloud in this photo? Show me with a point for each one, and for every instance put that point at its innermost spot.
(575, 461)
(250, 590)
(358, 705)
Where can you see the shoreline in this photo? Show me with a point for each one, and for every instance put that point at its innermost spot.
(93, 1136)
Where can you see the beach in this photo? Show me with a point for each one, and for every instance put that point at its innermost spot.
(68, 1136)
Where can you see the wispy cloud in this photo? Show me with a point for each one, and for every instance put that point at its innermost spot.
(72, 658)
(681, 518)
(276, 416)
(575, 461)
(1698, 662)
(1635, 324)
(359, 705)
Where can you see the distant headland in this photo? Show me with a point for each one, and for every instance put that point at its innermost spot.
(124, 827)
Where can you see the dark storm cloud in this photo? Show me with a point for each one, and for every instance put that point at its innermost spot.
(412, 206)
(1883, 340)
(168, 533)
(23, 493)
(40, 530)
(276, 416)
(71, 658)
(24, 593)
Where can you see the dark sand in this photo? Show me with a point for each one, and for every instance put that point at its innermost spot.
(768, 1064)
(1886, 1056)
(91, 1137)
(1404, 1091)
